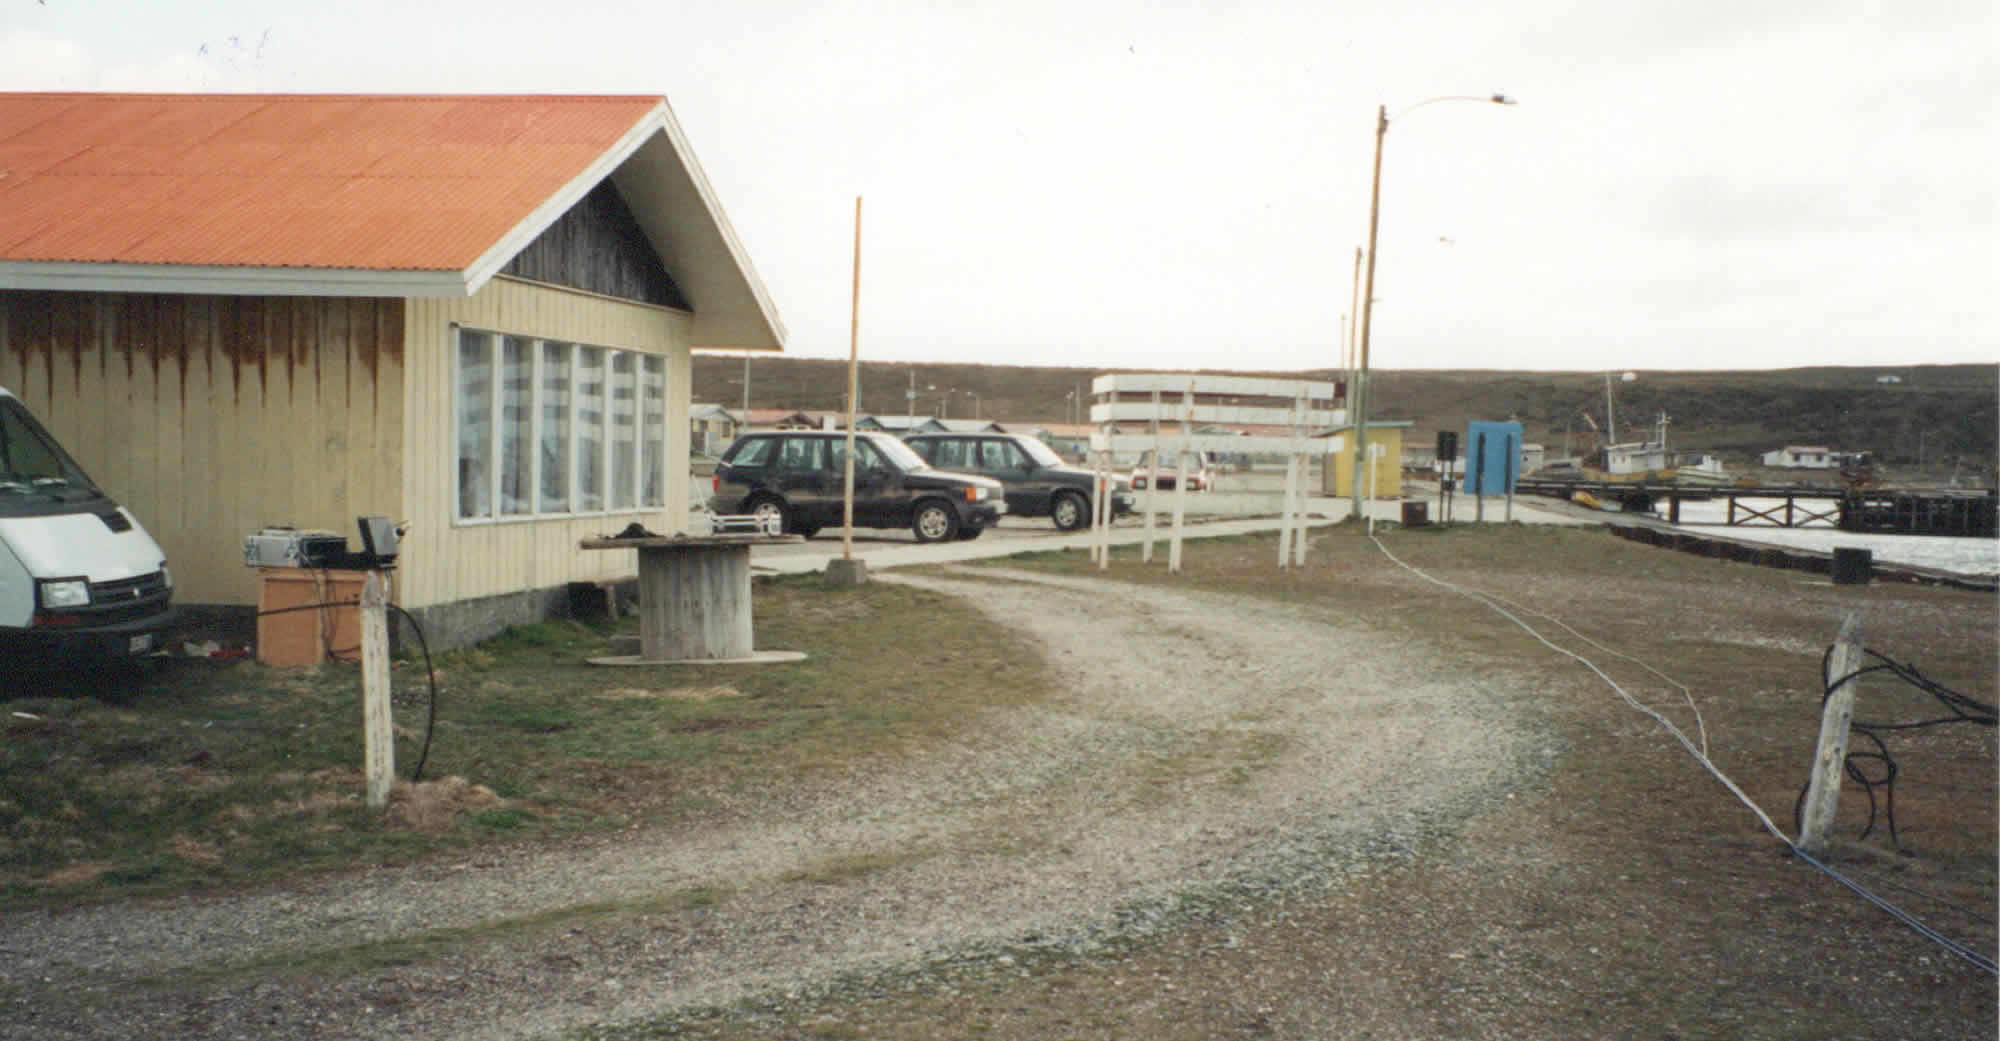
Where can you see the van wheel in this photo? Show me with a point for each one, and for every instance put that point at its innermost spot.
(1069, 511)
(764, 508)
(934, 521)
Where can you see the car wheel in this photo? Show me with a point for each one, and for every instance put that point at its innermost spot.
(1069, 511)
(934, 521)
(764, 508)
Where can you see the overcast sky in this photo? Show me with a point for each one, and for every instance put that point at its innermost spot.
(1683, 185)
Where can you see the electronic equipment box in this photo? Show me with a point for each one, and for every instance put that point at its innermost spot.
(290, 547)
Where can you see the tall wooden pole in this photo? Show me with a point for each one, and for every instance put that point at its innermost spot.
(853, 391)
(1368, 311)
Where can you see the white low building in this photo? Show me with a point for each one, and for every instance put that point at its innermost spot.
(1802, 457)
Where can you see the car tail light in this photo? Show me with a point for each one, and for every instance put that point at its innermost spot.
(715, 481)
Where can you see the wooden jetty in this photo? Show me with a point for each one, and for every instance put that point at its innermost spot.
(1722, 547)
(1875, 511)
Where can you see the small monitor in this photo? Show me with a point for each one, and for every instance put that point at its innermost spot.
(379, 538)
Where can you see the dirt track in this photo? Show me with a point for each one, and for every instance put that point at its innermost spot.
(1202, 745)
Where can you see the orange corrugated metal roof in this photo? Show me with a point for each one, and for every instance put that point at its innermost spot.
(417, 183)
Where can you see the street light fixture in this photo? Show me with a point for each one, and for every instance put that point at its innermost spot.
(1368, 291)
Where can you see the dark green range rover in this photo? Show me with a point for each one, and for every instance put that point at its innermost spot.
(799, 477)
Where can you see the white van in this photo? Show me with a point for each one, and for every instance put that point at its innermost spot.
(78, 575)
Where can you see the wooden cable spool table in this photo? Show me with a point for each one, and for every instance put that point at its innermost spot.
(694, 599)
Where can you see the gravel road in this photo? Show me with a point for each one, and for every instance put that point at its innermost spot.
(1200, 744)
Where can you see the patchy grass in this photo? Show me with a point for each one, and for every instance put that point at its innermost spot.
(186, 774)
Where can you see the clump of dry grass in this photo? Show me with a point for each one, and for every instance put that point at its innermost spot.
(82, 872)
(434, 806)
(709, 693)
(194, 850)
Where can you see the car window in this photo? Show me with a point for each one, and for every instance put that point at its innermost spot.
(950, 454)
(1042, 454)
(800, 453)
(754, 451)
(866, 456)
(897, 455)
(999, 455)
(924, 447)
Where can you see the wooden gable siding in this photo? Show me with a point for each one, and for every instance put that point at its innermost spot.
(445, 560)
(599, 247)
(210, 417)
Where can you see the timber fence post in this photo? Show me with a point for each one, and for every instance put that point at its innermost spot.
(1830, 761)
(377, 735)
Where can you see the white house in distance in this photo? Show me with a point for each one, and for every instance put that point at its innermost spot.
(1802, 457)
(475, 314)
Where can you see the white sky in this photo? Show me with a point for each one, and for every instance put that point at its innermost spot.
(1684, 185)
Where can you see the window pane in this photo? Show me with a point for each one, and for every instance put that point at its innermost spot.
(555, 428)
(517, 387)
(653, 432)
(753, 451)
(624, 428)
(800, 454)
(998, 455)
(475, 424)
(589, 429)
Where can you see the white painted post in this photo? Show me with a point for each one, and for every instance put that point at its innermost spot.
(1830, 761)
(1286, 517)
(377, 731)
(1375, 451)
(1299, 511)
(1103, 509)
(1298, 453)
(1180, 479)
(1147, 501)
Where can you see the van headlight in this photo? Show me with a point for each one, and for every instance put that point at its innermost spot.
(63, 592)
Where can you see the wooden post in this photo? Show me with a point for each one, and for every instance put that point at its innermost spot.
(1830, 762)
(1147, 501)
(377, 728)
(1180, 479)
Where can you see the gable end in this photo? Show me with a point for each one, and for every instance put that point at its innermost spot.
(599, 247)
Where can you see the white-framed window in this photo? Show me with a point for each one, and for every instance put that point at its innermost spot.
(473, 418)
(624, 430)
(555, 409)
(652, 431)
(590, 440)
(543, 428)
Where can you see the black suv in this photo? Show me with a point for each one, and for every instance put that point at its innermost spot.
(1038, 482)
(798, 477)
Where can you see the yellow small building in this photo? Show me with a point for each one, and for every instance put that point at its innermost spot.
(1383, 479)
(470, 314)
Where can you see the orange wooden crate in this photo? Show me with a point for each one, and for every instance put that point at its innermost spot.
(296, 637)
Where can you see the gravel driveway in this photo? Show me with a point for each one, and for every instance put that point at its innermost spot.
(1201, 745)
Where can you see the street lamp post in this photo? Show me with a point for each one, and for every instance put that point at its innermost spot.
(1368, 290)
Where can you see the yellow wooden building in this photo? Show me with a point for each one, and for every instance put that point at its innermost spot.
(471, 314)
(1384, 470)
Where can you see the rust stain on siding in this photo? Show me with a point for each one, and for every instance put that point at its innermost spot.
(49, 332)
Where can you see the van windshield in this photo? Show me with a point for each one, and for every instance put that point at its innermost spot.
(32, 464)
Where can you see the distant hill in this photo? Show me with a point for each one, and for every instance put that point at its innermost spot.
(1948, 413)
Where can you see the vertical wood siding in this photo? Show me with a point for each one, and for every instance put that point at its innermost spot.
(210, 417)
(444, 561)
